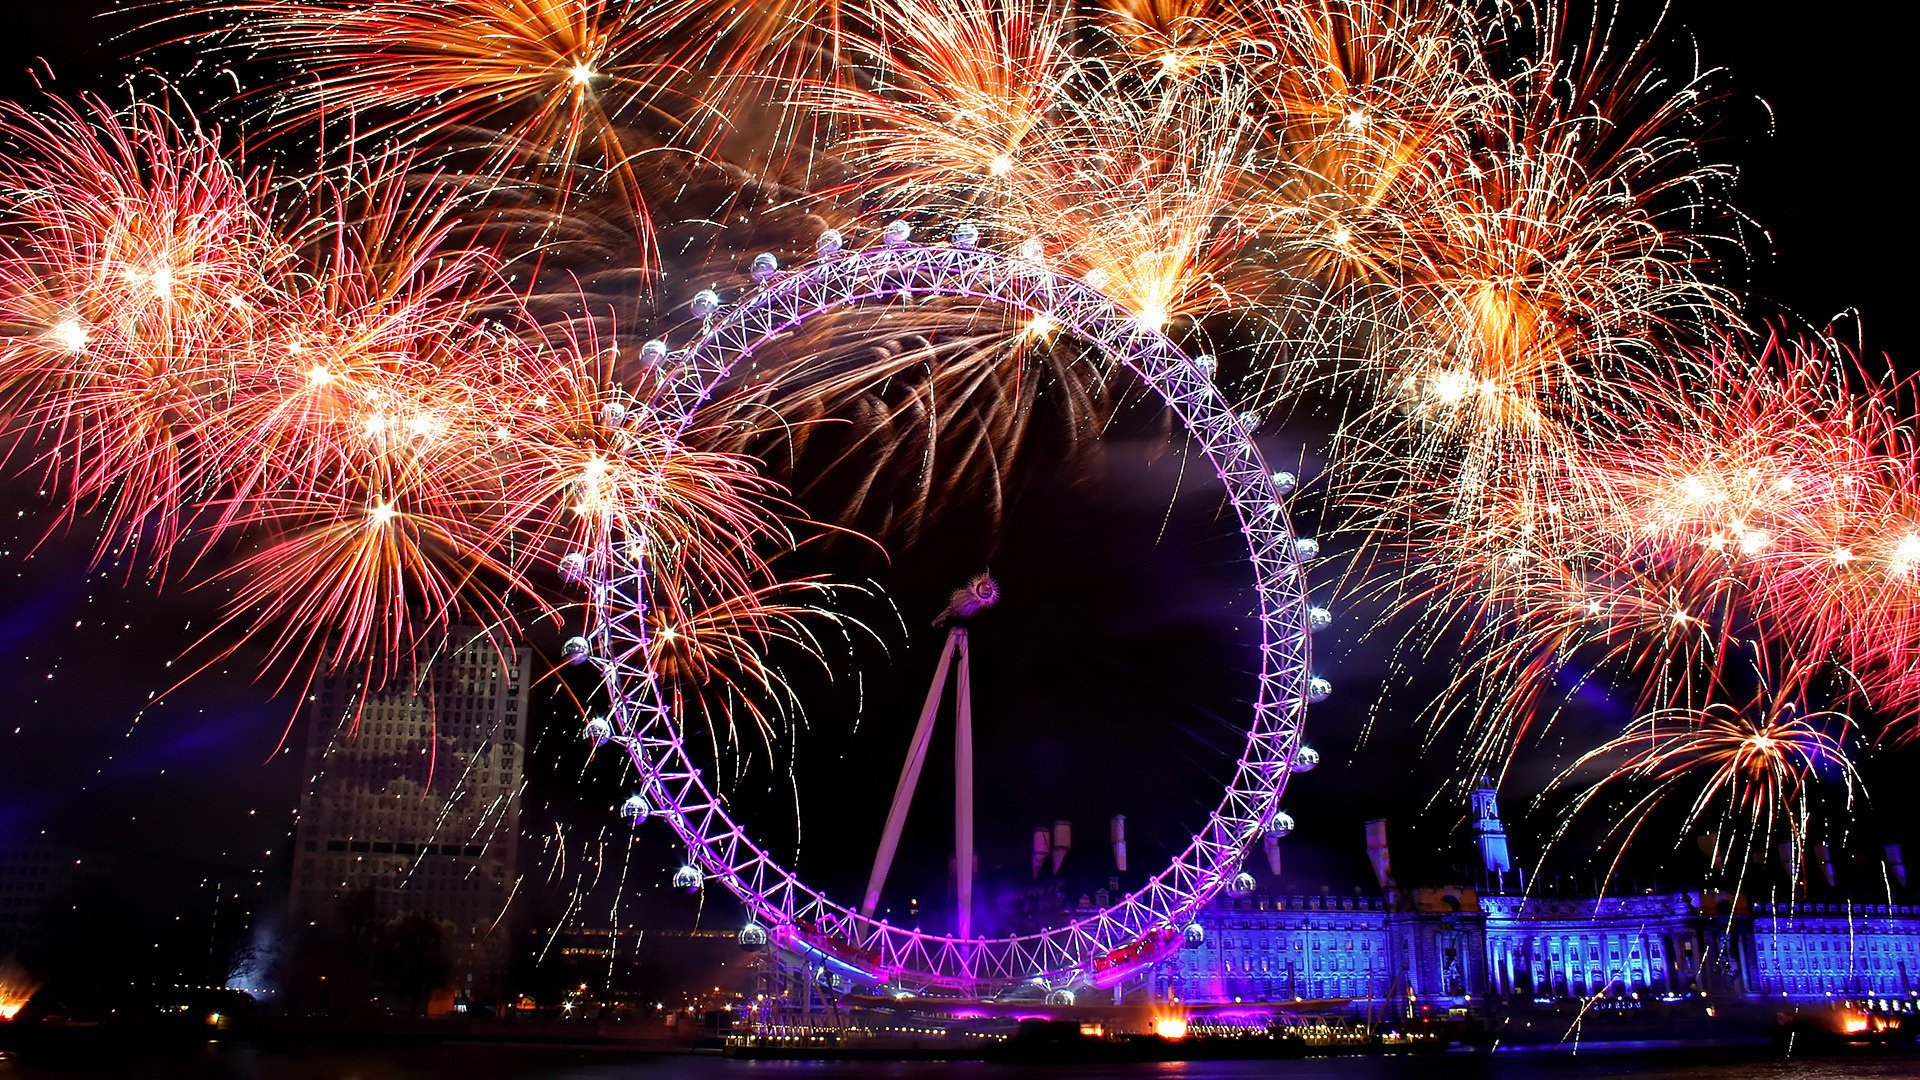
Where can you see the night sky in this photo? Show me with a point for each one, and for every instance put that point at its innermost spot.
(1090, 704)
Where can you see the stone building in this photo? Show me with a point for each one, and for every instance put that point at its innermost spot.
(1454, 944)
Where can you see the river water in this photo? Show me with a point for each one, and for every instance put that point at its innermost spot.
(483, 1063)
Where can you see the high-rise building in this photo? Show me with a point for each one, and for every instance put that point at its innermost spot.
(414, 797)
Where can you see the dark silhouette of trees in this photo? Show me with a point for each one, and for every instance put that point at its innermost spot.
(363, 962)
(411, 959)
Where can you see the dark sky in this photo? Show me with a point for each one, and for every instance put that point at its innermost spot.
(201, 775)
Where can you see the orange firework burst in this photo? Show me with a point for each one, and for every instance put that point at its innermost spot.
(1367, 97)
(1522, 287)
(968, 88)
(1163, 223)
(1181, 37)
(563, 95)
(542, 88)
(1743, 773)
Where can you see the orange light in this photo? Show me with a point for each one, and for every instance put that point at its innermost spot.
(1171, 1027)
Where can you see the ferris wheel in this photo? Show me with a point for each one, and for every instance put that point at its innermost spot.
(1097, 949)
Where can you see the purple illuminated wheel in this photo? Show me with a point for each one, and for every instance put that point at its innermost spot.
(1096, 950)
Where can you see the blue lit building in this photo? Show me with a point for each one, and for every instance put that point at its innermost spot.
(1278, 948)
(1454, 945)
(1489, 835)
(1558, 947)
(1833, 950)
(1285, 948)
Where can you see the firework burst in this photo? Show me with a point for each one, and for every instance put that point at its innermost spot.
(1742, 773)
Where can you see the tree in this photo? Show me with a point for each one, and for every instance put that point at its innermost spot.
(412, 959)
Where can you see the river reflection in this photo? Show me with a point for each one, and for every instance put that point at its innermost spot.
(522, 1063)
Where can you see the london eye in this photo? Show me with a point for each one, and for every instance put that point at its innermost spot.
(1097, 949)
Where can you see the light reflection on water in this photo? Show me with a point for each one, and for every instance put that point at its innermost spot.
(518, 1063)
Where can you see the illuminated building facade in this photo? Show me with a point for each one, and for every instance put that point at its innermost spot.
(1456, 944)
(414, 797)
(1286, 948)
(1559, 947)
(1278, 948)
(1840, 950)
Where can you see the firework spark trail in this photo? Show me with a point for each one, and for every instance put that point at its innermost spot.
(569, 96)
(1135, 180)
(965, 90)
